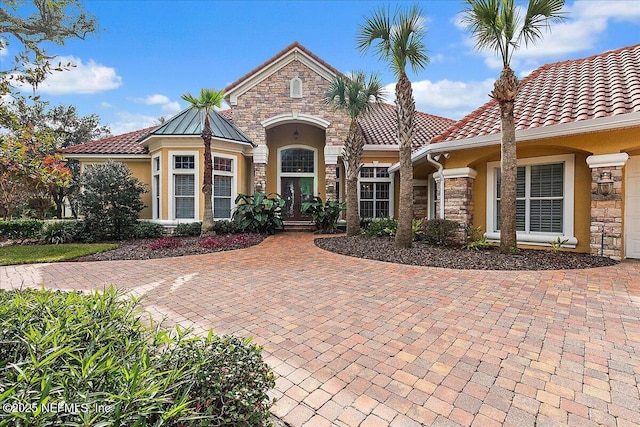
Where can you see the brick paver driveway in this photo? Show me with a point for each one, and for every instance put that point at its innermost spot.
(366, 343)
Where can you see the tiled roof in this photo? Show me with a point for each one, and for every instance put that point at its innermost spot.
(379, 127)
(189, 122)
(603, 85)
(275, 58)
(118, 144)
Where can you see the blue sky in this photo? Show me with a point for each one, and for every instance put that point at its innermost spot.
(147, 53)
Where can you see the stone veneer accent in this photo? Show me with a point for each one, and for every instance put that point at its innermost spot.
(420, 201)
(271, 97)
(330, 181)
(606, 211)
(606, 215)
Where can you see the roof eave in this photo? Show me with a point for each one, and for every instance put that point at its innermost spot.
(107, 156)
(565, 129)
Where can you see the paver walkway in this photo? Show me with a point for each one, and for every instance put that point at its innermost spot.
(365, 343)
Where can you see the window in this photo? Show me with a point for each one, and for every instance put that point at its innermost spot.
(223, 180)
(544, 199)
(539, 204)
(295, 88)
(338, 195)
(374, 192)
(297, 160)
(155, 190)
(183, 181)
(184, 189)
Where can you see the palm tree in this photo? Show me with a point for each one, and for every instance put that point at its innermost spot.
(205, 103)
(498, 25)
(357, 96)
(400, 41)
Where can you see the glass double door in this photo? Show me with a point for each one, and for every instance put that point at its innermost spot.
(295, 192)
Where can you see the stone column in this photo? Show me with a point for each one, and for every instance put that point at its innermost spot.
(458, 194)
(331, 153)
(606, 204)
(260, 156)
(458, 197)
(420, 198)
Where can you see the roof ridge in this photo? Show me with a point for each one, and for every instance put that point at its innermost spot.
(277, 56)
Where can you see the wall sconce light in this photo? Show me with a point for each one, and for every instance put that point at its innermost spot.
(330, 188)
(296, 134)
(605, 183)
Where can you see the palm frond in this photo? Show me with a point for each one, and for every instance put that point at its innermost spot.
(540, 15)
(356, 95)
(209, 98)
(377, 27)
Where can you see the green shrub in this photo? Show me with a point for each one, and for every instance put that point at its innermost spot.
(325, 215)
(259, 213)
(21, 229)
(58, 232)
(147, 230)
(381, 227)
(225, 226)
(187, 229)
(110, 201)
(439, 231)
(476, 238)
(97, 349)
(231, 383)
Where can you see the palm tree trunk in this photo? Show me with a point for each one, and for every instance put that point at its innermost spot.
(207, 190)
(505, 92)
(352, 157)
(405, 109)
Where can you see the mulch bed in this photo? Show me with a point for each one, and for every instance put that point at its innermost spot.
(383, 249)
(175, 246)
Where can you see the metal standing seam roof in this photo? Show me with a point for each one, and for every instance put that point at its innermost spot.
(189, 122)
(602, 85)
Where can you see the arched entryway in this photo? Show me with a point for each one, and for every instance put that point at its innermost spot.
(296, 165)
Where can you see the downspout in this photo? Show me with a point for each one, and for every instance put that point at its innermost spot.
(441, 183)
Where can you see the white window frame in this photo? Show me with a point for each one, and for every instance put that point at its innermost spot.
(374, 180)
(234, 178)
(432, 196)
(172, 172)
(156, 186)
(536, 238)
(313, 175)
(295, 83)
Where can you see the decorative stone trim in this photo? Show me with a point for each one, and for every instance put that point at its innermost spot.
(460, 173)
(331, 154)
(607, 160)
(260, 154)
(294, 117)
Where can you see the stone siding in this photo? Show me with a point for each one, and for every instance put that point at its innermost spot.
(606, 215)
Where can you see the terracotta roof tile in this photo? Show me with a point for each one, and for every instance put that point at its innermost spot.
(275, 58)
(602, 85)
(118, 144)
(379, 128)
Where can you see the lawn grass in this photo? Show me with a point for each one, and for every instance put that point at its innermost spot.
(27, 254)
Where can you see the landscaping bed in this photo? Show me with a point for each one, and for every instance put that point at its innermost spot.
(174, 246)
(383, 249)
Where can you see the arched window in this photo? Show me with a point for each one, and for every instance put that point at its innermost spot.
(295, 88)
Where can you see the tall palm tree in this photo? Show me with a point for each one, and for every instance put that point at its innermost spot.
(205, 103)
(400, 42)
(357, 96)
(498, 25)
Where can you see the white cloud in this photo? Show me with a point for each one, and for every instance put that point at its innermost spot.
(585, 24)
(451, 99)
(128, 122)
(81, 79)
(153, 99)
(171, 108)
(105, 104)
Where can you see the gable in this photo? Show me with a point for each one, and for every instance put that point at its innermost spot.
(292, 53)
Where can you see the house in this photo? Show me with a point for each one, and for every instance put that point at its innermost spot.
(577, 127)
(278, 136)
(578, 149)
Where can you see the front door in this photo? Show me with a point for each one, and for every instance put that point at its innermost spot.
(296, 191)
(632, 207)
